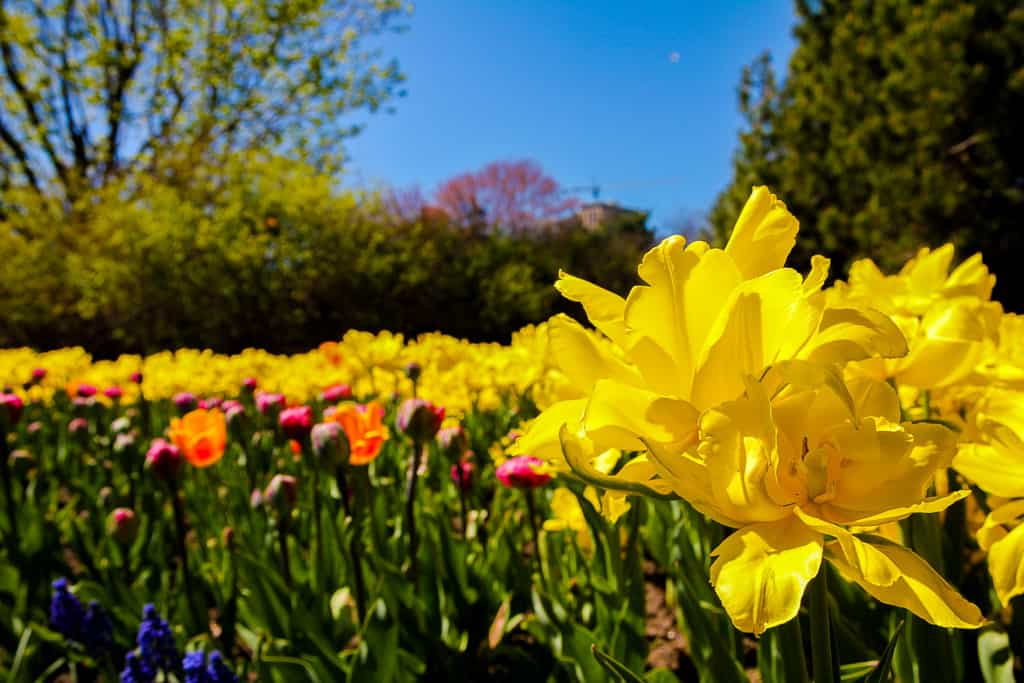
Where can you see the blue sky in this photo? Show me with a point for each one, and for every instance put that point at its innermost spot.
(639, 98)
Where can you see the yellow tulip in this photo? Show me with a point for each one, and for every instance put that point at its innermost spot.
(724, 371)
(995, 462)
(947, 318)
(684, 341)
(796, 470)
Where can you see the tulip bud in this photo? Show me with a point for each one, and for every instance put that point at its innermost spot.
(184, 401)
(523, 472)
(121, 424)
(114, 393)
(123, 525)
(269, 404)
(250, 384)
(462, 474)
(338, 392)
(83, 404)
(419, 419)
(78, 425)
(11, 407)
(330, 445)
(413, 371)
(231, 408)
(164, 460)
(38, 375)
(256, 499)
(125, 442)
(296, 422)
(453, 441)
(136, 377)
(21, 461)
(281, 493)
(104, 496)
(34, 427)
(85, 391)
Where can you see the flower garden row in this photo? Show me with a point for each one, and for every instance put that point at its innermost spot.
(735, 450)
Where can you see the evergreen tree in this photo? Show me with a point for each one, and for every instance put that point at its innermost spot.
(898, 125)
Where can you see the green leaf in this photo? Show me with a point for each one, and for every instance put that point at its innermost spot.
(612, 666)
(995, 656)
(883, 672)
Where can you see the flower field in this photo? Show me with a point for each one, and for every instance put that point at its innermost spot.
(737, 474)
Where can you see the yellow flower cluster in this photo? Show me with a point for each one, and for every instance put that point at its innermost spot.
(803, 417)
(456, 374)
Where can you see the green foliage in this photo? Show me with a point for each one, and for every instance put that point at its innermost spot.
(264, 251)
(897, 125)
(94, 91)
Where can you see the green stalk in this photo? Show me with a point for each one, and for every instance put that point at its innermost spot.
(282, 539)
(821, 636)
(460, 483)
(5, 474)
(410, 508)
(531, 511)
(355, 542)
(317, 524)
(181, 529)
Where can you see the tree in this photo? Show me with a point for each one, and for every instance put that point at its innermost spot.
(897, 126)
(514, 195)
(96, 89)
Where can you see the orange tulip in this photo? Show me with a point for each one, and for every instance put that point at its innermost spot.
(364, 428)
(201, 435)
(331, 352)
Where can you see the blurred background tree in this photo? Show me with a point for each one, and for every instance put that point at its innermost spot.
(515, 195)
(105, 89)
(897, 125)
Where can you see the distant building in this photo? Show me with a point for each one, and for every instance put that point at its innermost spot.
(596, 214)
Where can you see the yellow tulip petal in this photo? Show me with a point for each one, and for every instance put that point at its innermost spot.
(603, 308)
(802, 374)
(578, 455)
(1007, 566)
(970, 278)
(655, 311)
(918, 587)
(876, 568)
(1003, 408)
(995, 468)
(768, 319)
(850, 334)
(689, 479)
(760, 572)
(764, 235)
(541, 439)
(575, 353)
(928, 505)
(888, 466)
(935, 363)
(994, 529)
(618, 415)
(874, 397)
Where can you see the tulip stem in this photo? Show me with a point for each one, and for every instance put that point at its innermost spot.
(531, 512)
(180, 527)
(355, 543)
(317, 524)
(410, 508)
(282, 540)
(462, 499)
(5, 474)
(821, 636)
